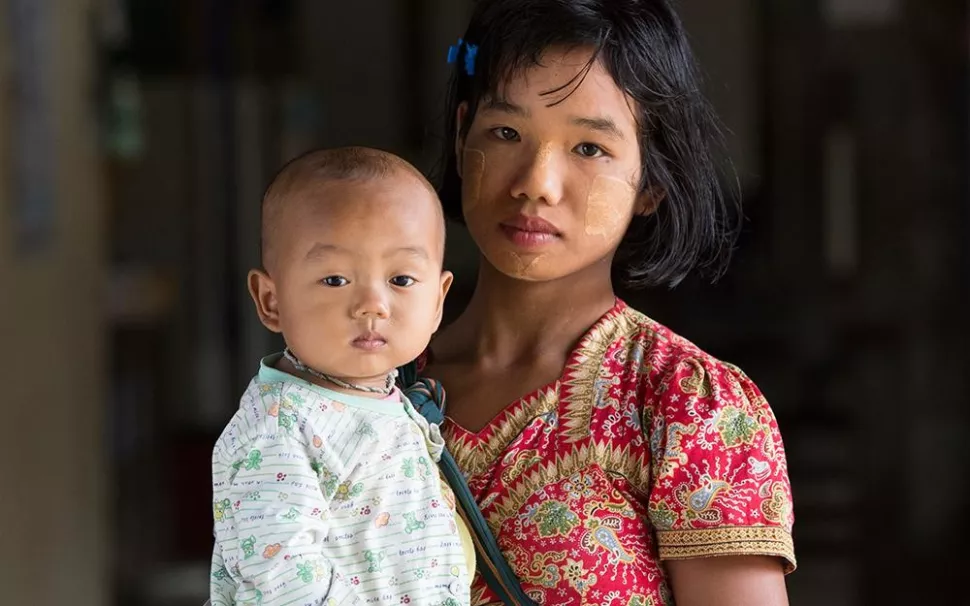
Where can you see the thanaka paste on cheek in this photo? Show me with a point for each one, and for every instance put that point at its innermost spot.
(607, 198)
(473, 170)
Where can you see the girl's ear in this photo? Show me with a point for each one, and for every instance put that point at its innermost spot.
(648, 201)
(459, 140)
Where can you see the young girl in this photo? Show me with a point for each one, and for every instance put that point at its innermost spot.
(615, 462)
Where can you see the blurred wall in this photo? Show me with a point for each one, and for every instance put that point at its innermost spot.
(54, 531)
(728, 43)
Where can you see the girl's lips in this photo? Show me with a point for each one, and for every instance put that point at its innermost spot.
(526, 223)
(529, 232)
(528, 239)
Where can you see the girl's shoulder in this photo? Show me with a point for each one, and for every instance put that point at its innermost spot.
(636, 344)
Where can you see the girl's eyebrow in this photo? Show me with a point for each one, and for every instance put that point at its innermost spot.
(507, 107)
(599, 124)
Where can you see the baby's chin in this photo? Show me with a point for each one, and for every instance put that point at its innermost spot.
(365, 365)
(377, 369)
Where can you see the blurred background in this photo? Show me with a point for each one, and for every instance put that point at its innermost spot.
(136, 137)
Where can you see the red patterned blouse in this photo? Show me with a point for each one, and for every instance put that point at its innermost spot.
(645, 449)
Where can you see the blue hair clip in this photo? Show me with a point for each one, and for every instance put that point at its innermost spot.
(453, 51)
(471, 51)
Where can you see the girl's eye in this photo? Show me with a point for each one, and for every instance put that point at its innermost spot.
(589, 150)
(505, 133)
(335, 281)
(403, 281)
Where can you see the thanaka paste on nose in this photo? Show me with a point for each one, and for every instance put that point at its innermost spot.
(543, 155)
(607, 195)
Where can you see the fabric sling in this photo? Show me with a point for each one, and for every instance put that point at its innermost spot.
(427, 397)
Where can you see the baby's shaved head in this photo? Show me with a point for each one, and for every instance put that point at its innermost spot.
(306, 175)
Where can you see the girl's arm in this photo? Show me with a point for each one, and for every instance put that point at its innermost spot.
(720, 498)
(728, 581)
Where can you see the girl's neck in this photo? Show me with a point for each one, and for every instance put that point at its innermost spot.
(510, 321)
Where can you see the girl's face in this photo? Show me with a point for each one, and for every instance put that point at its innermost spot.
(549, 189)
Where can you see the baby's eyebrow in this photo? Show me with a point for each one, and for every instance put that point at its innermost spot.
(320, 249)
(413, 251)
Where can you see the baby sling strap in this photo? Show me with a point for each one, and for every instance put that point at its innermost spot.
(427, 397)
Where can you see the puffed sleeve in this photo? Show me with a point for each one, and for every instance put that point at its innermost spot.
(719, 482)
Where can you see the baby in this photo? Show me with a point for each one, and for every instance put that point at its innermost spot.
(326, 489)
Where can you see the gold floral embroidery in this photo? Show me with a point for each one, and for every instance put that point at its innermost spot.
(702, 498)
(698, 383)
(474, 458)
(674, 455)
(662, 516)
(579, 389)
(620, 461)
(622, 508)
(601, 534)
(737, 427)
(554, 518)
(543, 569)
(478, 596)
(522, 461)
(778, 507)
(578, 577)
(684, 495)
(727, 540)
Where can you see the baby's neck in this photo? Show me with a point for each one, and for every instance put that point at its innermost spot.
(377, 382)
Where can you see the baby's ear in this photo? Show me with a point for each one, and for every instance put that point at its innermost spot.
(446, 280)
(263, 291)
(648, 201)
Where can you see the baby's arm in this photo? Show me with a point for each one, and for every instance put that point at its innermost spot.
(274, 519)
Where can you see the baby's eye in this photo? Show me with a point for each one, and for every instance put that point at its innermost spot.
(335, 281)
(589, 150)
(403, 281)
(505, 133)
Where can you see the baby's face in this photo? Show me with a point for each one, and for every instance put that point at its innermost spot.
(359, 283)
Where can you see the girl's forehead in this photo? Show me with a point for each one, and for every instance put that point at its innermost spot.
(553, 68)
(565, 81)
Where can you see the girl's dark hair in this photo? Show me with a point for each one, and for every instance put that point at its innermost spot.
(643, 46)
